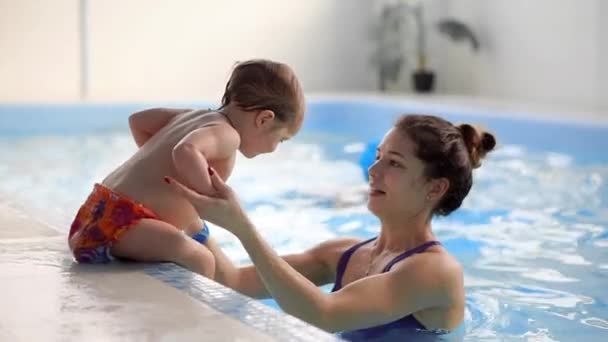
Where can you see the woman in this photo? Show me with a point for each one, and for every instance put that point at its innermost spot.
(401, 280)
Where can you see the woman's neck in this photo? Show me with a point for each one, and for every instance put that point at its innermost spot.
(401, 235)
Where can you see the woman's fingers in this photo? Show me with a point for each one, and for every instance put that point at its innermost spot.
(218, 183)
(183, 190)
(221, 208)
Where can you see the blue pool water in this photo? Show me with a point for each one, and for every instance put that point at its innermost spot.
(532, 235)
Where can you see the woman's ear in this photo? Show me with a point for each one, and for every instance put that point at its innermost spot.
(264, 118)
(437, 188)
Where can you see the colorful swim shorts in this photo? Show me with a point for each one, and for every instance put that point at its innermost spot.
(100, 222)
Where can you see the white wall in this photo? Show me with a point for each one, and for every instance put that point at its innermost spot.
(602, 90)
(38, 50)
(178, 50)
(545, 51)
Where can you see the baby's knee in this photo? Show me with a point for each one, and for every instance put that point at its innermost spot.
(200, 257)
(209, 262)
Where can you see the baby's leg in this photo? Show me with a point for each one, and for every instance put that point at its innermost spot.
(154, 240)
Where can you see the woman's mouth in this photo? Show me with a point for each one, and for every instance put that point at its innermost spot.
(376, 192)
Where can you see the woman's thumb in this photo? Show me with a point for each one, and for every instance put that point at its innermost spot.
(182, 189)
(217, 181)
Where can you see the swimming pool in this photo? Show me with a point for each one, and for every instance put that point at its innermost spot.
(532, 235)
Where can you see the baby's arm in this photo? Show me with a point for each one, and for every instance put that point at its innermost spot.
(146, 123)
(192, 153)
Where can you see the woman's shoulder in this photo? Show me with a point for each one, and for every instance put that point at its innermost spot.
(435, 266)
(337, 244)
(330, 251)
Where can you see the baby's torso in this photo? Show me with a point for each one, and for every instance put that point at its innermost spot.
(141, 177)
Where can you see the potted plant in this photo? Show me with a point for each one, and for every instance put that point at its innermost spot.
(423, 79)
(389, 56)
(394, 31)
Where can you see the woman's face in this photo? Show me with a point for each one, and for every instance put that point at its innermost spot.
(397, 183)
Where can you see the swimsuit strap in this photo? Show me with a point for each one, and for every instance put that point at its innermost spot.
(410, 252)
(396, 327)
(344, 258)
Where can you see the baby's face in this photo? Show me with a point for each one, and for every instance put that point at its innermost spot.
(267, 141)
(266, 138)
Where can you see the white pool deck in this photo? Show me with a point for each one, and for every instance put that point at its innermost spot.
(45, 296)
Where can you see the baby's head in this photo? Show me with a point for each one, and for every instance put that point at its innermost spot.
(268, 104)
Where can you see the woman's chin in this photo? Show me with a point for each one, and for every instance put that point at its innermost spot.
(373, 206)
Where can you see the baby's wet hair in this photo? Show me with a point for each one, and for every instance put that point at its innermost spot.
(261, 84)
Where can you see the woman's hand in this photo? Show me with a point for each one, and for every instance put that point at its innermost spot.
(222, 208)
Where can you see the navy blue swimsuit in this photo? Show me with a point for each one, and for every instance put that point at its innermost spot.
(408, 322)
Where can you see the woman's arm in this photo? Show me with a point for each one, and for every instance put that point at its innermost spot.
(364, 303)
(316, 264)
(421, 282)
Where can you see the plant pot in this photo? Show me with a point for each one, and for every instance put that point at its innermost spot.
(423, 81)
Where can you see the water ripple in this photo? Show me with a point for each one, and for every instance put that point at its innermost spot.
(531, 236)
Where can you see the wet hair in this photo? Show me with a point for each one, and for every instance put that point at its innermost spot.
(260, 84)
(448, 151)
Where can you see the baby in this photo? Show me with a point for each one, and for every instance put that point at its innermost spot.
(133, 215)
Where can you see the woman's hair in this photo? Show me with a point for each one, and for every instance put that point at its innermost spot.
(260, 84)
(448, 151)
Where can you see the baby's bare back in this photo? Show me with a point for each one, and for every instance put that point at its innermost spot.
(141, 177)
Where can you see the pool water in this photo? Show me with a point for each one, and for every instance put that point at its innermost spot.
(532, 236)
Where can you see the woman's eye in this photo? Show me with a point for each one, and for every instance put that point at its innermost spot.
(394, 163)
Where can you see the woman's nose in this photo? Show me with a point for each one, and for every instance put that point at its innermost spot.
(373, 169)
